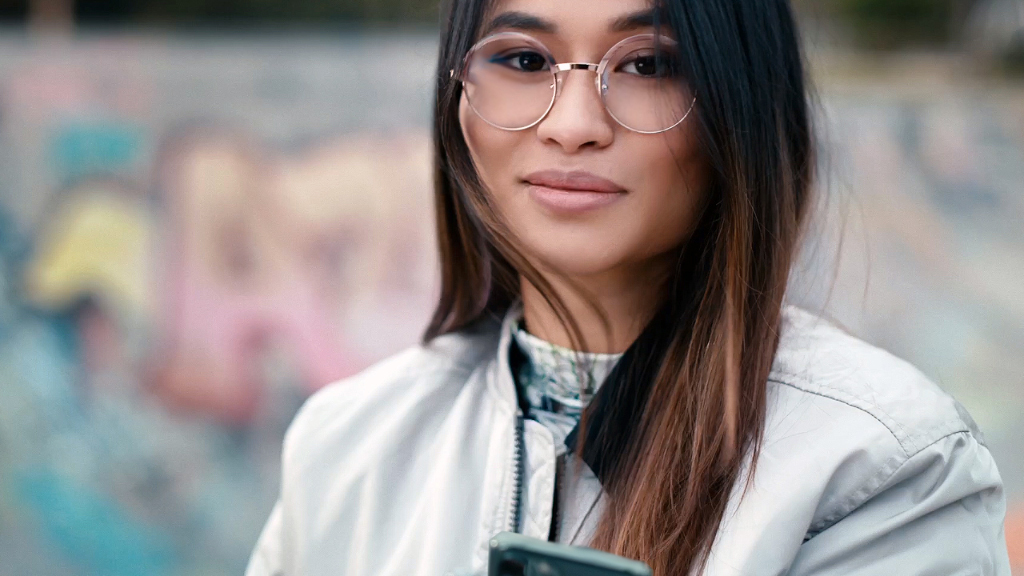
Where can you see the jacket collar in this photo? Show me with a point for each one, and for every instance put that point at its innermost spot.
(500, 374)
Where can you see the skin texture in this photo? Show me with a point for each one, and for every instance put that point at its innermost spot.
(615, 256)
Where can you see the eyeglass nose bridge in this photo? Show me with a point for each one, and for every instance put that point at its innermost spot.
(567, 66)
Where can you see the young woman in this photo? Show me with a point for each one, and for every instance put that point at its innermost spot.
(620, 187)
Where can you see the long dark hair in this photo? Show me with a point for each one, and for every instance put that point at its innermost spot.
(704, 415)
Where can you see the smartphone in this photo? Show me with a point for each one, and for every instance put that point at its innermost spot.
(517, 555)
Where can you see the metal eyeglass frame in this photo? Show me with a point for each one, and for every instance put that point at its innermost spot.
(600, 69)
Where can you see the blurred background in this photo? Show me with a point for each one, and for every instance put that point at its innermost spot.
(211, 208)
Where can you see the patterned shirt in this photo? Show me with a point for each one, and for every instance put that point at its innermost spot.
(551, 379)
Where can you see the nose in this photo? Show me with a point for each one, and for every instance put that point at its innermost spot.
(578, 119)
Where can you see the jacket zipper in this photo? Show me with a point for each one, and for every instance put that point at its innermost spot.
(556, 504)
(518, 471)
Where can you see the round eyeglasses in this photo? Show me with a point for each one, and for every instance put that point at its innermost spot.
(511, 81)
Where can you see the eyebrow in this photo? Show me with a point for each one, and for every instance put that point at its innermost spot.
(634, 20)
(520, 21)
(529, 23)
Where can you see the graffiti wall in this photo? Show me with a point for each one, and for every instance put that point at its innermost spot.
(199, 231)
(183, 264)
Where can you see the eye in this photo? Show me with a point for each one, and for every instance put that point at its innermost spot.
(650, 65)
(522, 59)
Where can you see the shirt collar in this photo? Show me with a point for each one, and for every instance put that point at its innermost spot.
(613, 415)
(559, 371)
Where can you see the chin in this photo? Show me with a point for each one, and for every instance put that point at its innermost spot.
(577, 259)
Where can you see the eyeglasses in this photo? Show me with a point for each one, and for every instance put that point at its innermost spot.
(511, 81)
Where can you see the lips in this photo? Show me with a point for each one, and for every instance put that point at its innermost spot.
(572, 194)
(575, 181)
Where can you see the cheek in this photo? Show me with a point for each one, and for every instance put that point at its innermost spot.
(673, 183)
(674, 160)
(496, 155)
(469, 131)
(489, 148)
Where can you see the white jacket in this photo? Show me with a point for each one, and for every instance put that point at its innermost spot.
(409, 467)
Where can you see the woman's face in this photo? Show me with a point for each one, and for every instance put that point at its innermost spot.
(584, 195)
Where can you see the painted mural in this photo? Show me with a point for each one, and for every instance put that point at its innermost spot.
(173, 287)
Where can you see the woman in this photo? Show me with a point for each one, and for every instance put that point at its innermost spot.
(620, 188)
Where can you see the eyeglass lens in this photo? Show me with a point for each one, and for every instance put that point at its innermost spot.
(510, 82)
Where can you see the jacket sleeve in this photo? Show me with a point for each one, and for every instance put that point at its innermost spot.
(939, 511)
(266, 557)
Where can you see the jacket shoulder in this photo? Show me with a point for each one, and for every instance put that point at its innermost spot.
(866, 463)
(818, 359)
(856, 420)
(847, 421)
(421, 381)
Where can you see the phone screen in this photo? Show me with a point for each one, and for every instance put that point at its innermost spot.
(517, 555)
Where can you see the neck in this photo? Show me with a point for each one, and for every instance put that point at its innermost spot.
(611, 308)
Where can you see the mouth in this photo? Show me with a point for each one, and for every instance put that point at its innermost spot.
(574, 193)
(575, 181)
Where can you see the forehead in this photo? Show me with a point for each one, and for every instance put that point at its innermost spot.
(575, 19)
